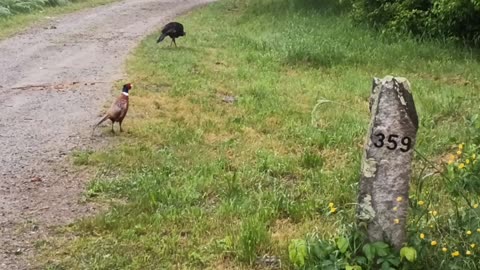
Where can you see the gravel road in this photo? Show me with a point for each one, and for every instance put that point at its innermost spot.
(55, 79)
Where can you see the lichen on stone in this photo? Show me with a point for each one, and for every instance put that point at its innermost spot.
(369, 167)
(366, 211)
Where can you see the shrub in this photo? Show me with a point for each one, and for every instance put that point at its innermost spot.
(13, 7)
(450, 19)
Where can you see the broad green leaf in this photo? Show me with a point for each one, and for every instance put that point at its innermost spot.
(361, 260)
(353, 267)
(386, 266)
(316, 250)
(394, 261)
(408, 253)
(297, 252)
(369, 251)
(342, 244)
(381, 248)
(380, 245)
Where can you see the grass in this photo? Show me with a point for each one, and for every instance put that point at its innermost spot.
(198, 183)
(17, 22)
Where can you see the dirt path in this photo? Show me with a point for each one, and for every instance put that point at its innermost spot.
(72, 61)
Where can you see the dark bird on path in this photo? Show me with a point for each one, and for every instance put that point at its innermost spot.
(173, 30)
(118, 110)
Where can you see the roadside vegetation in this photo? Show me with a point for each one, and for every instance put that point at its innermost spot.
(246, 141)
(453, 20)
(16, 15)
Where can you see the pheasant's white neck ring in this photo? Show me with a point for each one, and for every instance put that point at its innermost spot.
(125, 94)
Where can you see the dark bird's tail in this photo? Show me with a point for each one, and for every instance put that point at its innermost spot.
(160, 39)
(101, 121)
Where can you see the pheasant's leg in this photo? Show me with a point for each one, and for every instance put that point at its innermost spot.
(174, 43)
(113, 131)
(171, 41)
(120, 123)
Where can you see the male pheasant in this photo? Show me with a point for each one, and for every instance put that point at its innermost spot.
(118, 110)
(173, 30)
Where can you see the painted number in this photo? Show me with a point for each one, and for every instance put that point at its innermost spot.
(392, 142)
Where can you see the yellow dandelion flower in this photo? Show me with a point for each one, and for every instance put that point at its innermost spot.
(434, 213)
(452, 157)
(473, 245)
(478, 230)
(399, 198)
(450, 162)
(396, 221)
(431, 226)
(455, 254)
(460, 146)
(444, 249)
(474, 156)
(433, 243)
(395, 209)
(475, 206)
(461, 166)
(469, 232)
(421, 203)
(468, 253)
(459, 152)
(331, 205)
(422, 236)
(333, 210)
(467, 161)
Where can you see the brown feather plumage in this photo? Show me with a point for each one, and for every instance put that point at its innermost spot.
(118, 110)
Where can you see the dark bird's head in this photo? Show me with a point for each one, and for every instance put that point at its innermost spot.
(126, 88)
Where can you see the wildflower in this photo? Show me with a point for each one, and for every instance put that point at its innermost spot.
(455, 254)
(395, 209)
(333, 210)
(472, 245)
(444, 249)
(467, 161)
(460, 146)
(422, 236)
(469, 232)
(461, 166)
(478, 230)
(474, 156)
(331, 205)
(452, 157)
(468, 253)
(434, 213)
(396, 221)
(399, 198)
(459, 152)
(450, 162)
(421, 203)
(475, 206)
(433, 243)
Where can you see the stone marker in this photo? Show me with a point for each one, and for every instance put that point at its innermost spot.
(387, 162)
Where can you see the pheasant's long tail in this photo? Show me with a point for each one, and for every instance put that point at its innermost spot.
(160, 39)
(101, 121)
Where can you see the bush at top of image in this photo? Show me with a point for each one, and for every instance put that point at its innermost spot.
(449, 19)
(12, 7)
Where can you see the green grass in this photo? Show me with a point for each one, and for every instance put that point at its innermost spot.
(21, 19)
(197, 183)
